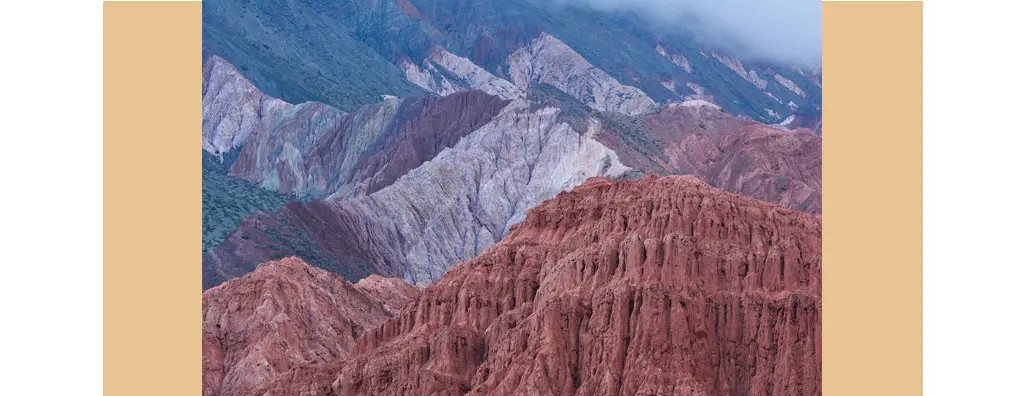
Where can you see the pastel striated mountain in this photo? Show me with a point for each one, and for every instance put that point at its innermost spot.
(546, 61)
(662, 285)
(286, 315)
(349, 53)
(549, 61)
(447, 176)
(447, 210)
(314, 150)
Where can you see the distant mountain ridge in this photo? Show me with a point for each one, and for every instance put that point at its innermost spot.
(411, 134)
(349, 53)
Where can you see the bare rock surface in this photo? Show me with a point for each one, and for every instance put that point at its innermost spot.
(445, 73)
(659, 286)
(447, 210)
(287, 315)
(233, 108)
(696, 137)
(547, 60)
(315, 150)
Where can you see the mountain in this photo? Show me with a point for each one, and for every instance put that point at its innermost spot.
(410, 186)
(487, 197)
(447, 210)
(656, 286)
(698, 138)
(285, 315)
(314, 150)
(301, 51)
(349, 53)
(662, 285)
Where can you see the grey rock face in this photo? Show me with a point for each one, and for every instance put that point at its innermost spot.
(233, 108)
(474, 192)
(445, 73)
(549, 61)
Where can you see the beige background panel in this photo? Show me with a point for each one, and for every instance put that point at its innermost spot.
(151, 199)
(871, 288)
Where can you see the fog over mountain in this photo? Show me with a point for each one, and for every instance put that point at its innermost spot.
(777, 30)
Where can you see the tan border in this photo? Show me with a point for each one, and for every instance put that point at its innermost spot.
(152, 90)
(872, 198)
(871, 217)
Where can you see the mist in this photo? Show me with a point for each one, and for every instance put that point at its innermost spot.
(786, 31)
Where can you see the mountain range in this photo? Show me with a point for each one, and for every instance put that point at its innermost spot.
(418, 196)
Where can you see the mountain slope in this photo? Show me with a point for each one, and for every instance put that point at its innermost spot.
(698, 138)
(656, 286)
(348, 53)
(447, 210)
(447, 176)
(666, 64)
(314, 150)
(301, 51)
(228, 200)
(285, 315)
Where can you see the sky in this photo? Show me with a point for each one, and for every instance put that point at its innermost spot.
(786, 31)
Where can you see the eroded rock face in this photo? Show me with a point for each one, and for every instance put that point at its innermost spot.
(286, 315)
(696, 137)
(445, 73)
(547, 60)
(315, 150)
(233, 108)
(447, 210)
(656, 286)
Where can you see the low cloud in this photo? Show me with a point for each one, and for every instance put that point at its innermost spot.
(786, 31)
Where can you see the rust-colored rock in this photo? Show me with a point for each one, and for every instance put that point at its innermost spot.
(658, 286)
(283, 319)
(698, 138)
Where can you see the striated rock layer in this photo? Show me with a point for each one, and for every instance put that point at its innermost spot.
(547, 60)
(696, 137)
(657, 286)
(312, 149)
(447, 210)
(284, 316)
(445, 73)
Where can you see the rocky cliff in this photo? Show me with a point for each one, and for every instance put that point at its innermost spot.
(656, 286)
(284, 316)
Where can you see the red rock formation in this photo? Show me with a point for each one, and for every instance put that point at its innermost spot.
(656, 286)
(284, 317)
(741, 156)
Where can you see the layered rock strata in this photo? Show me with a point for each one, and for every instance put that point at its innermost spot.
(447, 210)
(314, 150)
(696, 137)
